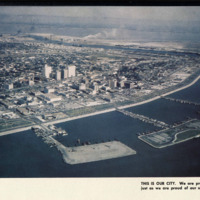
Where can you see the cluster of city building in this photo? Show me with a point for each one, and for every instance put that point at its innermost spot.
(65, 72)
(40, 77)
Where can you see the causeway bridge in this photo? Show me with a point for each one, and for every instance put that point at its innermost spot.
(143, 118)
(181, 101)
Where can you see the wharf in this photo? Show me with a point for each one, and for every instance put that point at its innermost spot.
(94, 152)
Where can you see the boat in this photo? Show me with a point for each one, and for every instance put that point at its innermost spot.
(78, 141)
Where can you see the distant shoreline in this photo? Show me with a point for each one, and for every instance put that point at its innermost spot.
(104, 111)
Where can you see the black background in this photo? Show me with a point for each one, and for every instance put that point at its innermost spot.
(100, 2)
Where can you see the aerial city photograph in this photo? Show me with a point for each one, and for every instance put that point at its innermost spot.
(98, 91)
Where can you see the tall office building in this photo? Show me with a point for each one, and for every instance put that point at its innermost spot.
(58, 75)
(87, 83)
(64, 74)
(71, 70)
(112, 84)
(47, 71)
(96, 87)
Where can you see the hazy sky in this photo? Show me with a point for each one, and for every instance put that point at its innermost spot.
(152, 13)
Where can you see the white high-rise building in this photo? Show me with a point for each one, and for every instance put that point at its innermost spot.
(64, 73)
(96, 87)
(71, 70)
(58, 75)
(47, 71)
(112, 84)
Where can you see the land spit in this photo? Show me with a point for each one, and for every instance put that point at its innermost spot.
(93, 152)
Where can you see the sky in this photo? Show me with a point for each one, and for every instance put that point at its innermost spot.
(143, 13)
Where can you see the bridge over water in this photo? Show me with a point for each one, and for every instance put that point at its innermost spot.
(143, 118)
(181, 101)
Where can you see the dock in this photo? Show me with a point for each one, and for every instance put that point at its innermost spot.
(93, 152)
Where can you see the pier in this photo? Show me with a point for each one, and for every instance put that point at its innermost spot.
(181, 101)
(86, 152)
(47, 132)
(94, 152)
(143, 118)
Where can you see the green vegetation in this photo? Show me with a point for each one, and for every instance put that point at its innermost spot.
(166, 137)
(157, 140)
(80, 111)
(6, 125)
(186, 135)
(88, 110)
(124, 103)
(103, 107)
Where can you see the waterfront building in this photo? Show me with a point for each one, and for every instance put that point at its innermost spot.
(47, 71)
